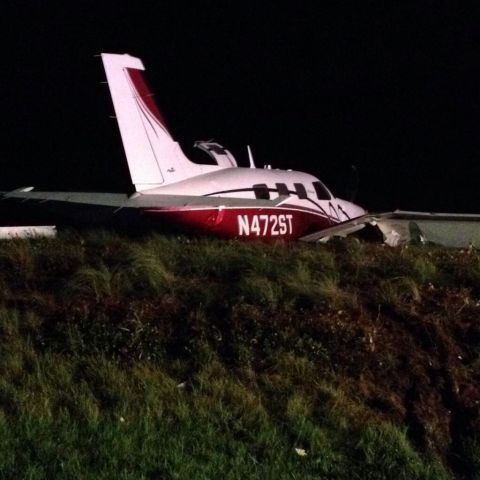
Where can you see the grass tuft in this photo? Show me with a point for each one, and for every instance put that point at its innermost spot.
(146, 271)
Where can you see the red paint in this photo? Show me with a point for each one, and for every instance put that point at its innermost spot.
(145, 94)
(254, 223)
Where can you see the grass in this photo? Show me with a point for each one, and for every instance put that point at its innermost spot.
(92, 419)
(161, 357)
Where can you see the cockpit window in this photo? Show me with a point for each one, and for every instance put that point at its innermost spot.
(321, 191)
(301, 190)
(261, 191)
(282, 189)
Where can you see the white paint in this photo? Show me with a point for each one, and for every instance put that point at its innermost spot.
(27, 232)
(265, 225)
(243, 225)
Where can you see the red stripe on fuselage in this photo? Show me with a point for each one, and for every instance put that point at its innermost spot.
(242, 222)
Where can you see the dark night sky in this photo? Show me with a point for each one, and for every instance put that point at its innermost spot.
(393, 89)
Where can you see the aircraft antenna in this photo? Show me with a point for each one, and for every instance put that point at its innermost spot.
(250, 157)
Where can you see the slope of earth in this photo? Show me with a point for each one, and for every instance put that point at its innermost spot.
(163, 357)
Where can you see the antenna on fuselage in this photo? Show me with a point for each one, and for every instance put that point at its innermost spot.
(250, 157)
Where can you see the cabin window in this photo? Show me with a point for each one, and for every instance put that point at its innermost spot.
(261, 191)
(282, 189)
(321, 191)
(301, 190)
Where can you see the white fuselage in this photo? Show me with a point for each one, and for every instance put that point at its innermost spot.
(242, 183)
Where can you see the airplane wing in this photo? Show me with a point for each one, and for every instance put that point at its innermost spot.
(119, 201)
(136, 200)
(339, 230)
(400, 227)
(397, 228)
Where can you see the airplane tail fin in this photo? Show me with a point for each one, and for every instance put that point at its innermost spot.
(154, 157)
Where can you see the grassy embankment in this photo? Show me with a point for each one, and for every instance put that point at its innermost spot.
(163, 358)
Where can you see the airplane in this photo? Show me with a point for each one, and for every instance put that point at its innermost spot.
(172, 192)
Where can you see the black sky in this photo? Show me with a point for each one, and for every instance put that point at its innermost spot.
(391, 88)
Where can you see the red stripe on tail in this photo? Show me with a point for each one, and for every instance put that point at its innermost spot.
(143, 91)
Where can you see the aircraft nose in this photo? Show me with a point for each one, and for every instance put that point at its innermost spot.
(353, 209)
